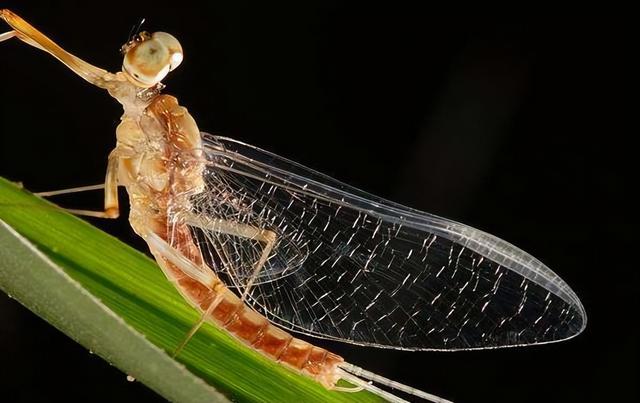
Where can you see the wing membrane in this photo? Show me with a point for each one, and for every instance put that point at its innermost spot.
(356, 268)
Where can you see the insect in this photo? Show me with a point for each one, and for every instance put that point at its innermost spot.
(263, 246)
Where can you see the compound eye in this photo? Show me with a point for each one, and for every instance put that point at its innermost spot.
(174, 47)
(149, 62)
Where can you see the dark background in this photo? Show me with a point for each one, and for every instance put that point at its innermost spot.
(505, 124)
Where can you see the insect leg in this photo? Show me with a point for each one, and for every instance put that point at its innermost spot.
(7, 35)
(28, 34)
(162, 250)
(110, 186)
(78, 189)
(235, 228)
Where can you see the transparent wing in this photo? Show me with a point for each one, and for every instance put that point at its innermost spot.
(356, 268)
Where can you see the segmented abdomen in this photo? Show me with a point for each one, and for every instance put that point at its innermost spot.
(247, 325)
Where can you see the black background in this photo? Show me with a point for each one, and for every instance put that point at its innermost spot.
(503, 123)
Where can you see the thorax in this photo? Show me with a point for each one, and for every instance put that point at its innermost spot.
(159, 153)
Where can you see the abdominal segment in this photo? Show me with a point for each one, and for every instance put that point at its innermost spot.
(247, 325)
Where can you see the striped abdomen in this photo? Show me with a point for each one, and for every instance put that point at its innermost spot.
(252, 328)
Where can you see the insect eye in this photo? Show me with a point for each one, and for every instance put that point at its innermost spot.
(174, 47)
(147, 62)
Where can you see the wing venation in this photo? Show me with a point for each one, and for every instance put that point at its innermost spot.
(352, 267)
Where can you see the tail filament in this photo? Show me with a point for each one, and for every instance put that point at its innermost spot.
(363, 379)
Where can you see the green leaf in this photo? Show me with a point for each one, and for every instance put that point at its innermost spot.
(116, 302)
(43, 287)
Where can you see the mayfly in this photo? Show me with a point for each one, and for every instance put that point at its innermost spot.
(261, 245)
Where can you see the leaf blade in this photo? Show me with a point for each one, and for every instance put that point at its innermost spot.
(131, 285)
(31, 277)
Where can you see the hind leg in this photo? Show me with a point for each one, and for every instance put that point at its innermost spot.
(234, 228)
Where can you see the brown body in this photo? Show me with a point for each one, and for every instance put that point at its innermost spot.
(161, 165)
(160, 160)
